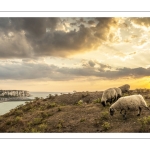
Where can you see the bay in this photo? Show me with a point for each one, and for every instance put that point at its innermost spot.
(7, 106)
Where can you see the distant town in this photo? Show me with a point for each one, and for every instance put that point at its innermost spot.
(7, 95)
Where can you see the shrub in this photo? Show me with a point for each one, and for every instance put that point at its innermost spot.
(36, 121)
(44, 114)
(106, 126)
(42, 127)
(80, 102)
(85, 94)
(59, 109)
(20, 106)
(34, 130)
(18, 118)
(144, 122)
(8, 122)
(50, 105)
(82, 120)
(60, 124)
(50, 96)
(97, 100)
(27, 108)
(18, 112)
(37, 98)
(104, 115)
(125, 94)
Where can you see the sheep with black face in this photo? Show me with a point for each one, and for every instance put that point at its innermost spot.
(108, 96)
(129, 103)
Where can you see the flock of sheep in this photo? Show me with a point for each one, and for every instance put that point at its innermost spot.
(123, 104)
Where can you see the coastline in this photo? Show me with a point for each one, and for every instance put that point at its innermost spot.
(15, 99)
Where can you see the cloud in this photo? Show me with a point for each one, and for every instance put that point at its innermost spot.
(91, 63)
(142, 42)
(28, 37)
(91, 22)
(134, 36)
(40, 70)
(141, 21)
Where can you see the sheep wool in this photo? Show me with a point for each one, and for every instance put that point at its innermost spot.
(108, 96)
(125, 88)
(132, 102)
(119, 92)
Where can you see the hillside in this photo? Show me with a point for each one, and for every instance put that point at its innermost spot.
(80, 112)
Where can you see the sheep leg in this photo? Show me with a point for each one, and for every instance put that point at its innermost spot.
(139, 112)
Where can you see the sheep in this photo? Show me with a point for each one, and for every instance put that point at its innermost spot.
(132, 102)
(125, 88)
(119, 92)
(109, 95)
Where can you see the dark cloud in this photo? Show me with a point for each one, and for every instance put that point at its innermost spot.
(125, 25)
(73, 23)
(27, 37)
(91, 22)
(142, 21)
(91, 63)
(27, 70)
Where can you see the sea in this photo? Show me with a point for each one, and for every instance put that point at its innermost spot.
(7, 106)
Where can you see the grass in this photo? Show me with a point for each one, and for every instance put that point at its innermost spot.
(144, 124)
(97, 100)
(106, 126)
(62, 115)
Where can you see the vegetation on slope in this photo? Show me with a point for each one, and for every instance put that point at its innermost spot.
(80, 112)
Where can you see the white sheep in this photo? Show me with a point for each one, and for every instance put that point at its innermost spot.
(125, 88)
(131, 103)
(119, 92)
(108, 96)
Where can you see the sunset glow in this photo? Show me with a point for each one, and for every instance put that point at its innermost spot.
(67, 54)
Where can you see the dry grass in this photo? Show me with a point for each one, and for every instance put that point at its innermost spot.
(68, 114)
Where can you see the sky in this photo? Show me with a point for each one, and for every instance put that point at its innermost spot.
(63, 54)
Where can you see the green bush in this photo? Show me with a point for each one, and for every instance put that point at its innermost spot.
(42, 127)
(60, 124)
(82, 120)
(36, 121)
(18, 112)
(44, 114)
(50, 105)
(106, 126)
(97, 100)
(104, 115)
(125, 94)
(18, 120)
(144, 123)
(80, 102)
